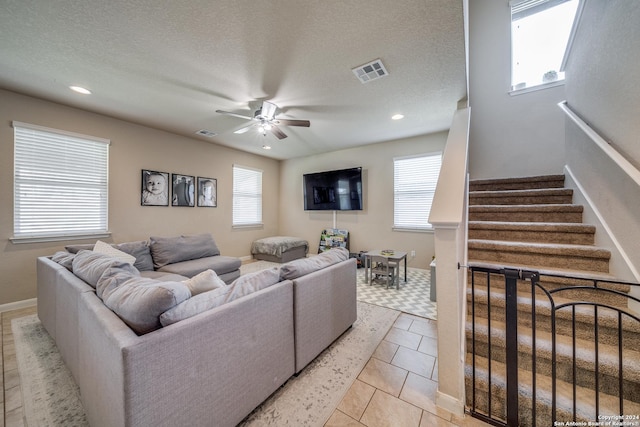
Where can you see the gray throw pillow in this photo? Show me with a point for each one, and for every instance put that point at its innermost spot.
(303, 266)
(169, 250)
(64, 258)
(90, 266)
(253, 282)
(139, 302)
(195, 305)
(141, 251)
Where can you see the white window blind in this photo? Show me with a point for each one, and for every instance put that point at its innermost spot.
(247, 196)
(60, 184)
(414, 184)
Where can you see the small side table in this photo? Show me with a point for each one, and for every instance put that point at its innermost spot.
(396, 257)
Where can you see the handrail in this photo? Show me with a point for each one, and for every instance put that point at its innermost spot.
(449, 200)
(613, 154)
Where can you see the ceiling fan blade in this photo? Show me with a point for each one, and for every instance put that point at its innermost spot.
(268, 110)
(244, 129)
(277, 132)
(286, 122)
(234, 114)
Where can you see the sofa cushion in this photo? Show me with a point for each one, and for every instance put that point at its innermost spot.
(220, 264)
(64, 258)
(90, 266)
(162, 276)
(139, 249)
(169, 250)
(203, 282)
(105, 248)
(303, 266)
(195, 305)
(139, 302)
(253, 282)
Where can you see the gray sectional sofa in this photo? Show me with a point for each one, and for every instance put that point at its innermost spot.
(209, 359)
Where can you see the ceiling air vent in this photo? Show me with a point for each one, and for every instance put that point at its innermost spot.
(371, 71)
(207, 133)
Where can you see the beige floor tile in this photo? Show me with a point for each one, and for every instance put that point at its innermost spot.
(432, 420)
(386, 410)
(414, 361)
(434, 375)
(14, 418)
(356, 400)
(383, 376)
(421, 392)
(339, 419)
(11, 379)
(403, 338)
(12, 399)
(403, 322)
(468, 421)
(425, 327)
(429, 346)
(385, 351)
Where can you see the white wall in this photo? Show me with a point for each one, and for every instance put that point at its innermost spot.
(510, 136)
(370, 228)
(603, 89)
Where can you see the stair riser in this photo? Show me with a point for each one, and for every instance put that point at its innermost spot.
(585, 376)
(540, 260)
(478, 200)
(503, 185)
(525, 216)
(533, 236)
(583, 330)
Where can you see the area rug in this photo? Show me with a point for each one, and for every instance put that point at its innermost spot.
(51, 398)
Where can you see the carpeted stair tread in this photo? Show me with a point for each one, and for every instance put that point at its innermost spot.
(541, 232)
(549, 271)
(585, 356)
(527, 213)
(521, 197)
(585, 402)
(582, 257)
(545, 181)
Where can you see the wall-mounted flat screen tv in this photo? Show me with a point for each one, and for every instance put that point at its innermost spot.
(336, 190)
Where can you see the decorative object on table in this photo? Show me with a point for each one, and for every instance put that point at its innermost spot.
(207, 192)
(155, 188)
(550, 76)
(333, 238)
(386, 252)
(183, 190)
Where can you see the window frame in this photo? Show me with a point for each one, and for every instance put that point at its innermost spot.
(53, 180)
(259, 219)
(544, 85)
(433, 176)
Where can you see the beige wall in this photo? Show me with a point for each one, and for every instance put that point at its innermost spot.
(370, 228)
(133, 147)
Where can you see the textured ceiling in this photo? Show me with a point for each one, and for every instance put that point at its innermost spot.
(170, 64)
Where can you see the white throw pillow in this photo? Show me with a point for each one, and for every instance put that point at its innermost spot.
(203, 282)
(105, 248)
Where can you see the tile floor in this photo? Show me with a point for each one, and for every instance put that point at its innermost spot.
(397, 387)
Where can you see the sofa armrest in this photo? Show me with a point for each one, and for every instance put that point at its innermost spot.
(211, 369)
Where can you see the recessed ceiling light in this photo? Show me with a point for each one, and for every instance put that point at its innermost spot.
(266, 147)
(80, 89)
(397, 117)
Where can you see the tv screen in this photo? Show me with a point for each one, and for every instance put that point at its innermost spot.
(337, 190)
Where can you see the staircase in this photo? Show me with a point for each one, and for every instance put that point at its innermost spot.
(532, 224)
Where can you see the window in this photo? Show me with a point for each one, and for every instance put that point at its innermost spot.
(247, 196)
(60, 184)
(414, 184)
(540, 34)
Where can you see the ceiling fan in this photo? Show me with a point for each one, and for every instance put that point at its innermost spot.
(265, 119)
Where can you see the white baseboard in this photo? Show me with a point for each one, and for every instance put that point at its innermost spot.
(18, 305)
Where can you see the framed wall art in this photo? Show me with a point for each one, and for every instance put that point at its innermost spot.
(207, 192)
(154, 188)
(183, 193)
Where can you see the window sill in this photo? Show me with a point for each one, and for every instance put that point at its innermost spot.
(245, 226)
(43, 239)
(536, 88)
(413, 230)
